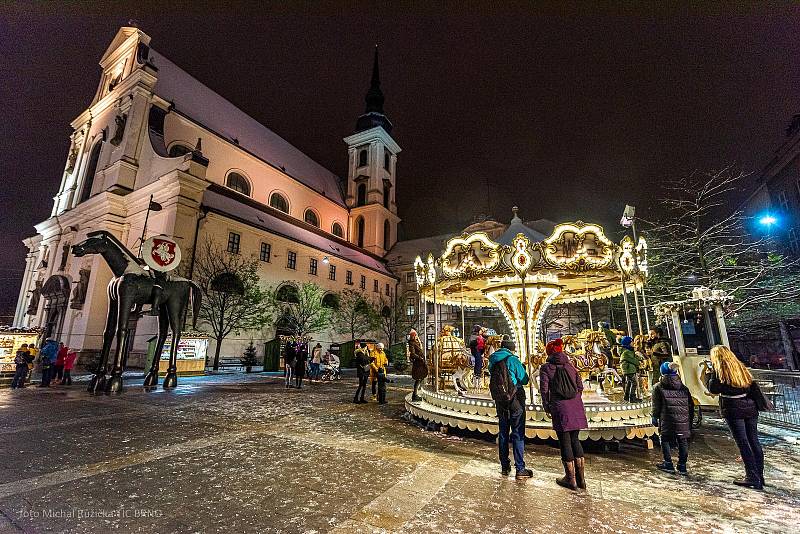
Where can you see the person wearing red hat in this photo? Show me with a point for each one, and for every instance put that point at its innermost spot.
(560, 387)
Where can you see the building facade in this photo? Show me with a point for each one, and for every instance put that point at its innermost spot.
(154, 131)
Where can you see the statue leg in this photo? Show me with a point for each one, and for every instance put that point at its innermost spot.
(175, 307)
(163, 324)
(114, 384)
(98, 382)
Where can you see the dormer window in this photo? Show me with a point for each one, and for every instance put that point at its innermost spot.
(362, 157)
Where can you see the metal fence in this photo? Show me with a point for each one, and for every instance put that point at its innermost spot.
(783, 389)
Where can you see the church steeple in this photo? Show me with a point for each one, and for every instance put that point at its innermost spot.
(374, 114)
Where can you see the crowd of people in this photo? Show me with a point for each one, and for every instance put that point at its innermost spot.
(297, 364)
(54, 359)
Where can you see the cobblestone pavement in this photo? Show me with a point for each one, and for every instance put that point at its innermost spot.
(240, 453)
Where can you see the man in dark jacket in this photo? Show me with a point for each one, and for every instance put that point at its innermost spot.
(47, 357)
(361, 362)
(21, 361)
(511, 415)
(672, 412)
(301, 357)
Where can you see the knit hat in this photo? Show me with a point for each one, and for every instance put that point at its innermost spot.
(554, 346)
(626, 341)
(669, 368)
(476, 329)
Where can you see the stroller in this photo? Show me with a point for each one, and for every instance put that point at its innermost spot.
(330, 371)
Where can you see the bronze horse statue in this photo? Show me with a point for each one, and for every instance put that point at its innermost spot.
(130, 289)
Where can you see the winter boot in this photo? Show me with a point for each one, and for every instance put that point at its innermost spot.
(505, 470)
(523, 473)
(667, 467)
(682, 470)
(580, 479)
(568, 480)
(749, 482)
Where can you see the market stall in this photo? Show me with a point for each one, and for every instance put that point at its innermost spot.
(11, 339)
(192, 350)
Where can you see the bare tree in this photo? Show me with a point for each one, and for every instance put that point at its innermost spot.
(353, 315)
(232, 297)
(393, 317)
(700, 242)
(302, 308)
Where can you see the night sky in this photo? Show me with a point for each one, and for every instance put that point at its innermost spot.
(568, 113)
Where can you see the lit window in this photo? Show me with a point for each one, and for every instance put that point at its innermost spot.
(337, 230)
(312, 266)
(239, 183)
(291, 260)
(362, 157)
(348, 278)
(331, 272)
(311, 218)
(363, 283)
(233, 242)
(279, 202)
(375, 286)
(430, 340)
(266, 252)
(410, 308)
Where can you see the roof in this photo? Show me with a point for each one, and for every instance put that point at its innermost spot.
(244, 209)
(193, 99)
(405, 251)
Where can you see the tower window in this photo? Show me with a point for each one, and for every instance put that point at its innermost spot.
(311, 218)
(387, 235)
(361, 194)
(279, 202)
(386, 195)
(360, 232)
(233, 242)
(387, 160)
(91, 170)
(337, 230)
(362, 157)
(239, 183)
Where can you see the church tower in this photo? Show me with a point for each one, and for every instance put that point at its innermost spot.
(371, 175)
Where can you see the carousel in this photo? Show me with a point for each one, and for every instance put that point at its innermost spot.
(522, 274)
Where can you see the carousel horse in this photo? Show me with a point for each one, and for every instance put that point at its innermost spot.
(130, 289)
(646, 365)
(451, 353)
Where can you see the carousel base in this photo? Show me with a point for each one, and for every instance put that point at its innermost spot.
(607, 421)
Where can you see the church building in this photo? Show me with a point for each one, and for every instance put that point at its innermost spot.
(154, 131)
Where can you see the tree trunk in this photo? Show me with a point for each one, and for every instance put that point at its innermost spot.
(216, 353)
(788, 345)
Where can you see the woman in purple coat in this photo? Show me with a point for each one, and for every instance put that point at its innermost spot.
(555, 378)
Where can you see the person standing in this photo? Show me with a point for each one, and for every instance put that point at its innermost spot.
(58, 368)
(629, 364)
(506, 384)
(47, 357)
(419, 367)
(739, 395)
(301, 359)
(289, 357)
(381, 362)
(477, 346)
(672, 413)
(316, 359)
(21, 360)
(361, 361)
(69, 364)
(561, 387)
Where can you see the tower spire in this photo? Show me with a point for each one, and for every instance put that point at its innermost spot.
(374, 114)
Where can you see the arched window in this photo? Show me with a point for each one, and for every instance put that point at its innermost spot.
(331, 300)
(361, 195)
(91, 170)
(288, 293)
(337, 230)
(311, 217)
(178, 150)
(386, 195)
(239, 183)
(362, 157)
(387, 235)
(360, 232)
(279, 202)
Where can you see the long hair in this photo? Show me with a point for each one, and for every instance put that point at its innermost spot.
(729, 369)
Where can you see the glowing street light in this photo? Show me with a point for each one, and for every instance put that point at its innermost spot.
(767, 220)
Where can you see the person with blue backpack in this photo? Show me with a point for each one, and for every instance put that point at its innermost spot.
(560, 387)
(506, 384)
